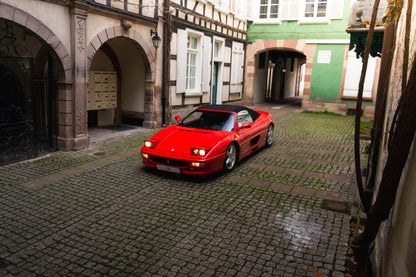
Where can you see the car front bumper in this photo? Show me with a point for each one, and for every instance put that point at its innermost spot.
(189, 165)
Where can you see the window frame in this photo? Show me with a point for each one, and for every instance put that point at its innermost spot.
(314, 18)
(268, 19)
(197, 90)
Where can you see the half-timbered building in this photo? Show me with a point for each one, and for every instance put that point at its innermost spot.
(207, 53)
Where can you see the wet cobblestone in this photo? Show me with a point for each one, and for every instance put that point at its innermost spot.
(113, 217)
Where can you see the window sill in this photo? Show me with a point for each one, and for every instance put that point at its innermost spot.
(314, 21)
(193, 94)
(267, 21)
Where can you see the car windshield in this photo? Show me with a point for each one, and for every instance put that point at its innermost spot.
(210, 120)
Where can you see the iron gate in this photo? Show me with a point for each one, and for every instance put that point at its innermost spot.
(27, 111)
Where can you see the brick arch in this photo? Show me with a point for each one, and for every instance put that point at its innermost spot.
(118, 31)
(26, 20)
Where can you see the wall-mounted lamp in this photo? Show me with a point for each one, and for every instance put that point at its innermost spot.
(155, 39)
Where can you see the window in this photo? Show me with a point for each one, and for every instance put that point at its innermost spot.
(324, 56)
(244, 117)
(269, 9)
(191, 62)
(315, 8)
(217, 49)
(193, 67)
(210, 120)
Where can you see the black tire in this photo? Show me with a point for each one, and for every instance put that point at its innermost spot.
(270, 135)
(230, 157)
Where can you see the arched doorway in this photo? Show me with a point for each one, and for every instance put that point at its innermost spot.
(28, 109)
(278, 75)
(127, 59)
(123, 99)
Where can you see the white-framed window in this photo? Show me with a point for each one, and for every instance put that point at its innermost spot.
(324, 56)
(304, 11)
(190, 61)
(269, 9)
(218, 49)
(315, 8)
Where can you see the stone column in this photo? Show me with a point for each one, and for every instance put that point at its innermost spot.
(149, 121)
(79, 13)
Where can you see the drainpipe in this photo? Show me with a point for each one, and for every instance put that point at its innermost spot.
(166, 61)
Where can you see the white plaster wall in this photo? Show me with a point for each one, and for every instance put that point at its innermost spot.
(290, 78)
(55, 17)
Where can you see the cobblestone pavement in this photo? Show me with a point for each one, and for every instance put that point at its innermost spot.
(284, 211)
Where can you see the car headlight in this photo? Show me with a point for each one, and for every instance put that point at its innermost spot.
(150, 143)
(199, 151)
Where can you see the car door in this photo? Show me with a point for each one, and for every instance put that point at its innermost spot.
(248, 135)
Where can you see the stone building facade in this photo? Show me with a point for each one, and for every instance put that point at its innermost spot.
(68, 65)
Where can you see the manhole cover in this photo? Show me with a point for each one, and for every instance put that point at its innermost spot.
(336, 206)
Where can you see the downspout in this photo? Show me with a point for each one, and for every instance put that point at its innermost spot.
(166, 61)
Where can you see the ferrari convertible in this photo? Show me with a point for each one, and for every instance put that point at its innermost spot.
(209, 139)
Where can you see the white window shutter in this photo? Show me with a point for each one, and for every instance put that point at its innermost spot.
(237, 63)
(206, 64)
(252, 9)
(283, 9)
(296, 10)
(335, 9)
(181, 61)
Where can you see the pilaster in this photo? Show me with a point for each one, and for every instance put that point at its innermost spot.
(79, 13)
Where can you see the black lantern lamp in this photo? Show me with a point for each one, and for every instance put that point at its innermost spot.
(155, 39)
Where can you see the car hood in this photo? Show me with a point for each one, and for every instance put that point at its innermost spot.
(180, 140)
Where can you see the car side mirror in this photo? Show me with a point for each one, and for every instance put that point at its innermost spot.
(245, 125)
(178, 118)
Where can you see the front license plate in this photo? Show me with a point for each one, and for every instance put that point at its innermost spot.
(168, 168)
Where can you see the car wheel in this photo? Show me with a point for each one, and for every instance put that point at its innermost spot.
(230, 157)
(270, 135)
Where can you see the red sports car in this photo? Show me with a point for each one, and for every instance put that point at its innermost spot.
(209, 139)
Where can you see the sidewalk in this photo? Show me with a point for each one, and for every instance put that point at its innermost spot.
(284, 211)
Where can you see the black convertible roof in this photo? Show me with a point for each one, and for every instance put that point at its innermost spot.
(231, 108)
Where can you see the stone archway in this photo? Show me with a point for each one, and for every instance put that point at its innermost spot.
(62, 66)
(42, 31)
(261, 46)
(148, 58)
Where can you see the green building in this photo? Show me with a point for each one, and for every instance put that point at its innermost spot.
(300, 48)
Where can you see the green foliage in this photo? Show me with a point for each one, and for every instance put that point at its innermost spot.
(365, 127)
